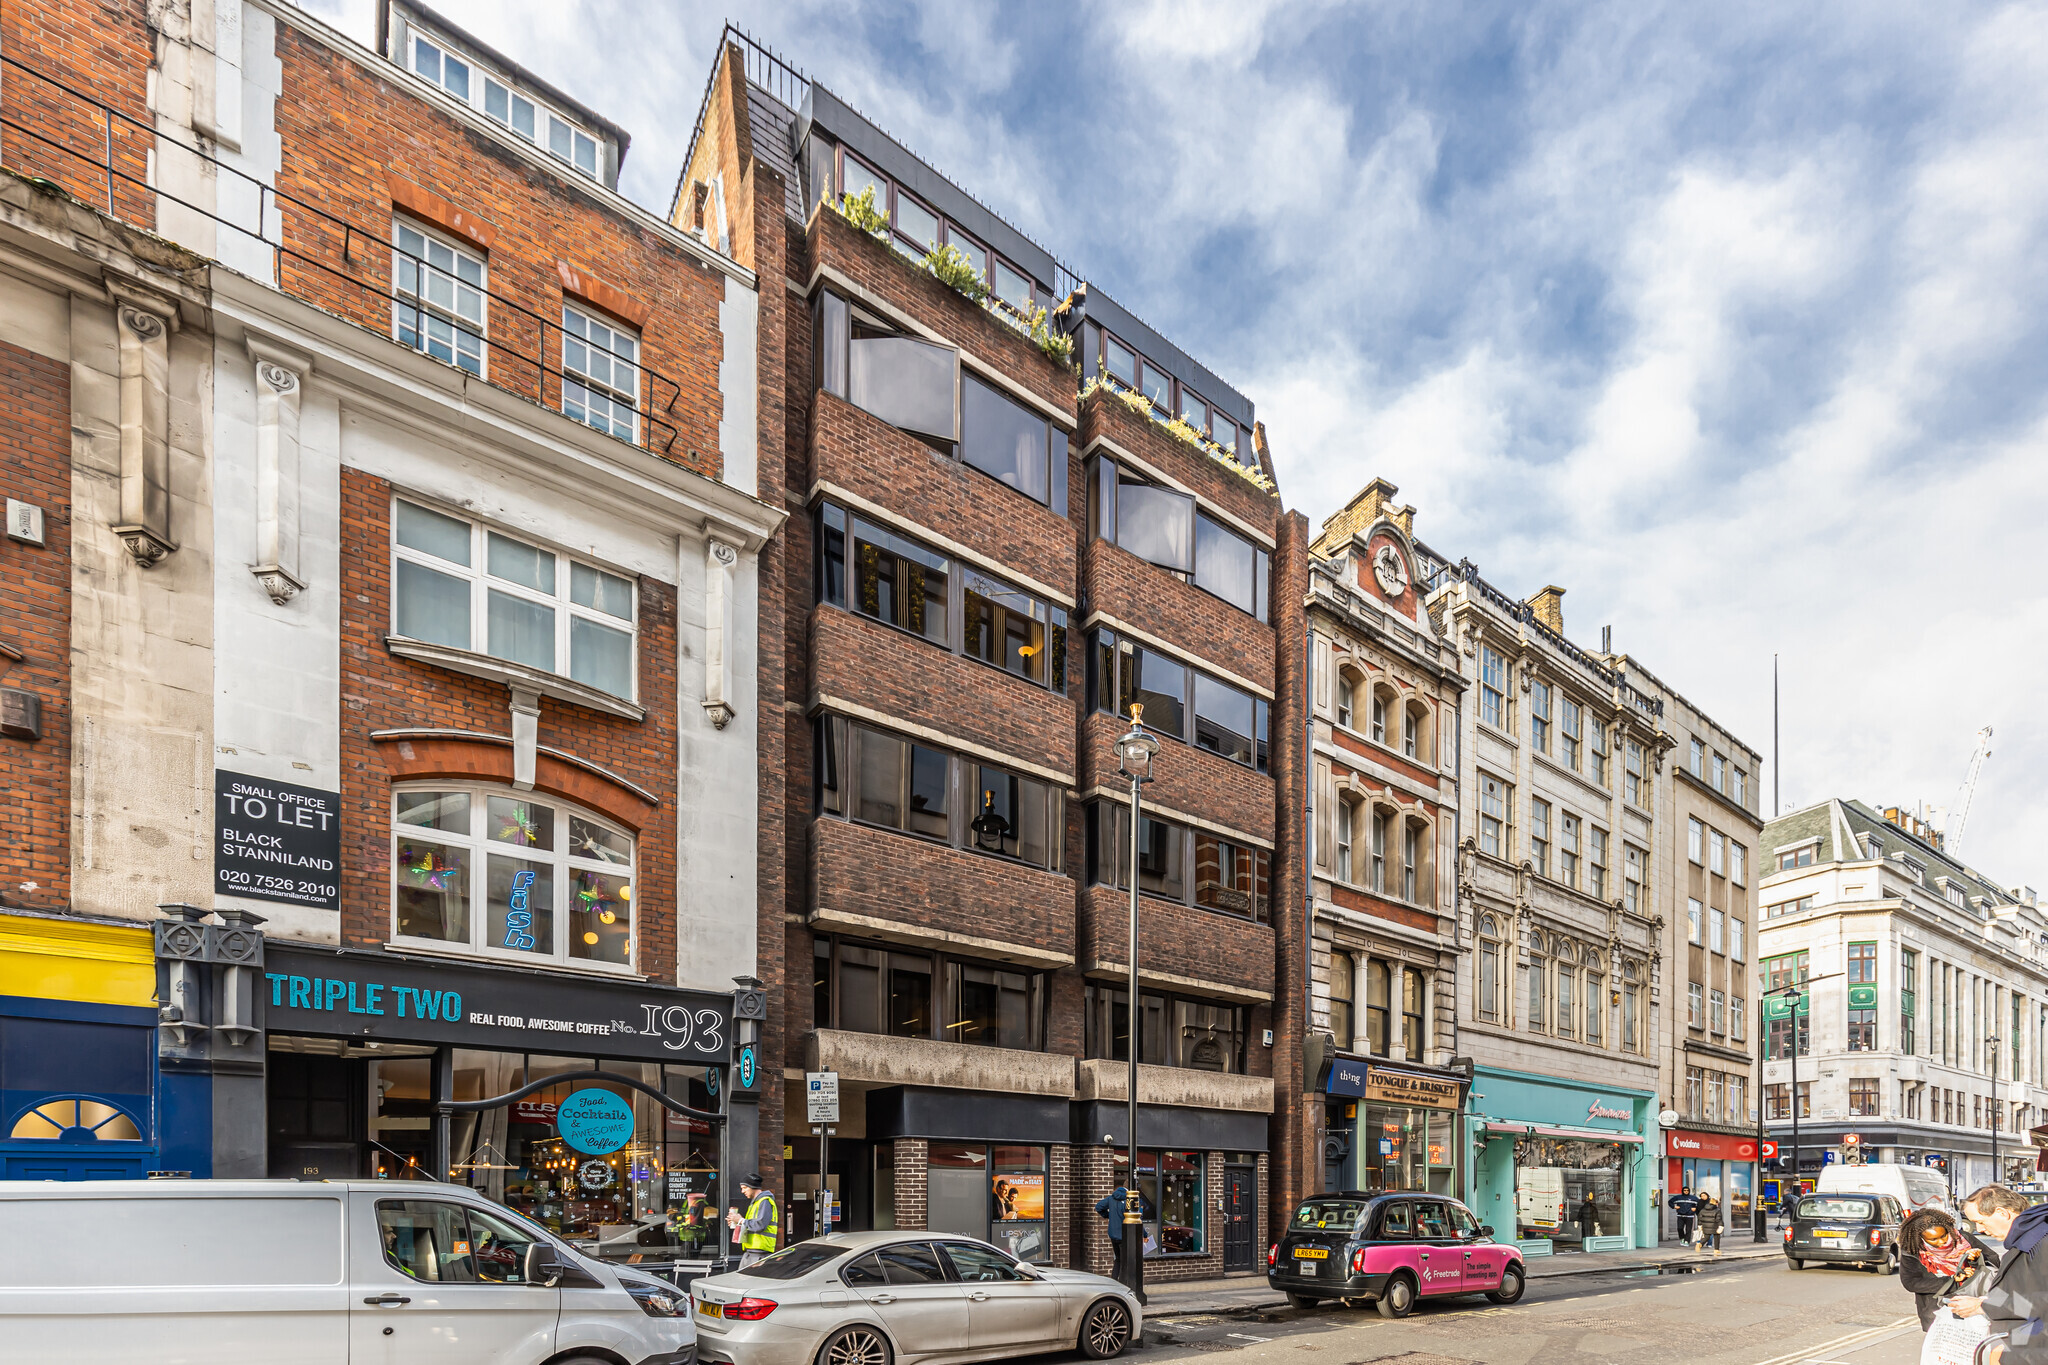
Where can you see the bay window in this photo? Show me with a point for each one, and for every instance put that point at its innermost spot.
(1180, 701)
(874, 777)
(512, 875)
(905, 993)
(1187, 867)
(1166, 528)
(902, 583)
(457, 583)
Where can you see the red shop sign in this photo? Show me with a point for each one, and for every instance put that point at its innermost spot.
(1712, 1146)
(533, 1111)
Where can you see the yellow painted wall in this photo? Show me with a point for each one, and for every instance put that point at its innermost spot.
(53, 959)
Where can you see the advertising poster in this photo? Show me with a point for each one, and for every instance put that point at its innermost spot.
(1019, 1197)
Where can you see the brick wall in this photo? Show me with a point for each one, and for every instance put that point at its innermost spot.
(81, 54)
(911, 1178)
(35, 623)
(381, 691)
(357, 143)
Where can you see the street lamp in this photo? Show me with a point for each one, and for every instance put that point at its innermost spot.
(1134, 753)
(1997, 1175)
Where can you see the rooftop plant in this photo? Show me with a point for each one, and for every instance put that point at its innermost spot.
(949, 266)
(860, 211)
(1178, 429)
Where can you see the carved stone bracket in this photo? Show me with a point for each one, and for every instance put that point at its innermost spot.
(720, 563)
(143, 324)
(279, 388)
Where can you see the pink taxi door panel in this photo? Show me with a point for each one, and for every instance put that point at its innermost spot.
(1439, 1257)
(1482, 1259)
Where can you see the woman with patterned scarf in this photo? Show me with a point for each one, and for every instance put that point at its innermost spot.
(1936, 1260)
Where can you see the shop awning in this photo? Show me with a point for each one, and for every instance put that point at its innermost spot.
(1552, 1131)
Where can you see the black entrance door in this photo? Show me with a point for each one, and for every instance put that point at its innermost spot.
(1239, 1188)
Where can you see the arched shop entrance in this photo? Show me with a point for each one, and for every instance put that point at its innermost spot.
(382, 1066)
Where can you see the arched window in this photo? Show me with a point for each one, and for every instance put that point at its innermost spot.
(1488, 970)
(1378, 1008)
(1379, 716)
(1414, 732)
(1414, 994)
(1347, 815)
(1537, 978)
(1347, 690)
(1567, 990)
(1343, 971)
(75, 1119)
(510, 874)
(1596, 998)
(1412, 834)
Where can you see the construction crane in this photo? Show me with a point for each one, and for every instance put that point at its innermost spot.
(1952, 838)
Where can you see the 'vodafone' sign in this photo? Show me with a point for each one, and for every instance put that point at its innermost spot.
(1712, 1146)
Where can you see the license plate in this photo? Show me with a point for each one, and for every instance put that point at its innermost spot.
(1308, 1269)
(1828, 1232)
(1311, 1253)
(710, 1310)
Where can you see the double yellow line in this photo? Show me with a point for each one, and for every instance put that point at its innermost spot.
(1820, 1350)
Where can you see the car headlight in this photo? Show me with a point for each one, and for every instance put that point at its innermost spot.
(659, 1300)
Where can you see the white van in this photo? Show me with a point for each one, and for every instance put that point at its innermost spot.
(255, 1272)
(1913, 1186)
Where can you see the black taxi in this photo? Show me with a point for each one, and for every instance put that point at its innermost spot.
(1851, 1228)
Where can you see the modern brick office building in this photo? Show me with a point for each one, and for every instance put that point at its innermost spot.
(1016, 510)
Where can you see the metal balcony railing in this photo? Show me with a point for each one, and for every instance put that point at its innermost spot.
(58, 134)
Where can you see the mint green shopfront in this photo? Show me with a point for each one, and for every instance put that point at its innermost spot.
(1562, 1165)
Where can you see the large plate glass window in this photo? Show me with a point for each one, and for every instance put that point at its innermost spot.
(1011, 443)
(461, 584)
(506, 874)
(1180, 701)
(1173, 1183)
(1227, 876)
(873, 988)
(440, 302)
(600, 374)
(883, 779)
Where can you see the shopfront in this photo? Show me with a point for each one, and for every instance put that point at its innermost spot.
(1719, 1164)
(78, 1071)
(1394, 1127)
(1563, 1163)
(361, 1045)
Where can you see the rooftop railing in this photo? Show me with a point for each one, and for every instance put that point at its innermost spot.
(63, 136)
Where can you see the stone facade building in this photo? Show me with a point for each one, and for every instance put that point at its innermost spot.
(1925, 1029)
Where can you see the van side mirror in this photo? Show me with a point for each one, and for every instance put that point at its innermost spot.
(541, 1268)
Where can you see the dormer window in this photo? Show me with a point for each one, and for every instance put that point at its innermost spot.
(503, 105)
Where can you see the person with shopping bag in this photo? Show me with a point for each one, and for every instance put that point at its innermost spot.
(1710, 1223)
(1937, 1261)
(2008, 1309)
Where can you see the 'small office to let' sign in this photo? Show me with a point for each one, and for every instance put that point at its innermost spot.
(275, 841)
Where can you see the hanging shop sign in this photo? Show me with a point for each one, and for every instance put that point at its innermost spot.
(594, 1122)
(276, 841)
(355, 993)
(1779, 1007)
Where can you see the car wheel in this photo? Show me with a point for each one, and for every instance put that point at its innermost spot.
(1511, 1286)
(1106, 1331)
(856, 1345)
(1302, 1300)
(1397, 1300)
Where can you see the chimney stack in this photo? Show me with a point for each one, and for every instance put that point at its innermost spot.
(1549, 607)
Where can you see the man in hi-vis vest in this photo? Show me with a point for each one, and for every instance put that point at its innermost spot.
(760, 1225)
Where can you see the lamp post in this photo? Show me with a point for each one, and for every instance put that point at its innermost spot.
(1997, 1175)
(1792, 995)
(1758, 1222)
(1134, 753)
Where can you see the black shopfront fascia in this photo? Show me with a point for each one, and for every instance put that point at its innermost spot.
(976, 1116)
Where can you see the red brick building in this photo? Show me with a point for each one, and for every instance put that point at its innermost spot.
(1016, 512)
(394, 637)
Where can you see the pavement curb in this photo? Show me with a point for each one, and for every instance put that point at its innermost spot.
(1164, 1312)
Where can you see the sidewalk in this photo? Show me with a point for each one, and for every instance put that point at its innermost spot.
(1241, 1293)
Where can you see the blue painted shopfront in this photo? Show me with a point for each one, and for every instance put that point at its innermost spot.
(77, 1090)
(1560, 1164)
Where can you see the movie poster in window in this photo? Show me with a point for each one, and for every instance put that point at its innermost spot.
(1019, 1196)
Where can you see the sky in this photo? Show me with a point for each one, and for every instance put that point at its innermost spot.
(1732, 319)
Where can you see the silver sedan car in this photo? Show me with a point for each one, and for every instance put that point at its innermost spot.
(895, 1298)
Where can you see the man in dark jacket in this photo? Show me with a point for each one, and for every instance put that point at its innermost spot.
(2017, 1300)
(1686, 1205)
(1112, 1208)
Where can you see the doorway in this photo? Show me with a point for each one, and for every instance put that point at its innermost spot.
(1240, 1189)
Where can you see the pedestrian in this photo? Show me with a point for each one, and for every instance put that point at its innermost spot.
(1937, 1260)
(1589, 1217)
(760, 1225)
(2015, 1233)
(1710, 1223)
(1112, 1209)
(1686, 1205)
